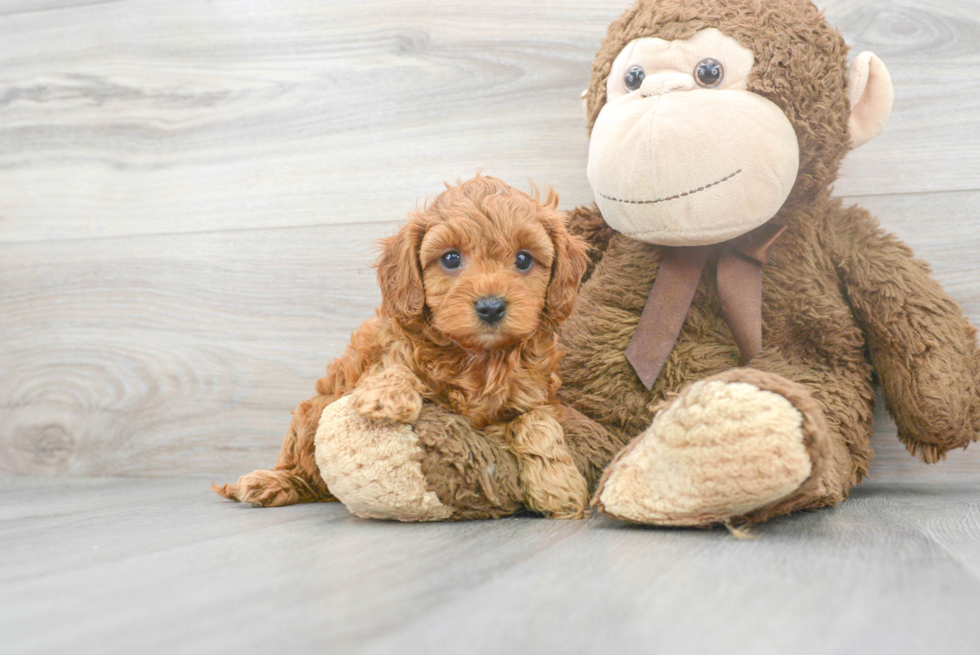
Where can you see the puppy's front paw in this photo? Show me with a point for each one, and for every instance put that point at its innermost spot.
(551, 482)
(394, 394)
(376, 404)
(556, 489)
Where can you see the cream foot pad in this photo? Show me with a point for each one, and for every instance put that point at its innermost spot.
(721, 450)
(373, 467)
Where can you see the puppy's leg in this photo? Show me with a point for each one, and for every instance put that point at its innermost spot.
(550, 482)
(296, 478)
(270, 488)
(394, 393)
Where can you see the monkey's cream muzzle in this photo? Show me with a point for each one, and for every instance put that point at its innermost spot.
(675, 164)
(691, 167)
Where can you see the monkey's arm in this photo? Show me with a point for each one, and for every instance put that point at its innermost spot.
(587, 222)
(923, 348)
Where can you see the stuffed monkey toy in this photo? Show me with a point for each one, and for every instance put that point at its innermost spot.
(738, 316)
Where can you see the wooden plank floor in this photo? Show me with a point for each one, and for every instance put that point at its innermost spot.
(162, 566)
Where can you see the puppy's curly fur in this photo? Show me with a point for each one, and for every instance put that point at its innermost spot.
(428, 343)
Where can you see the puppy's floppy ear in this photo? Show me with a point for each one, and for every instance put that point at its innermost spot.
(400, 273)
(567, 269)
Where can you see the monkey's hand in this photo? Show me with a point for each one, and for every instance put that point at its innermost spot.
(393, 393)
(920, 343)
(550, 482)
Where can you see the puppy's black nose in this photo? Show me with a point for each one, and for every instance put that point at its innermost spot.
(490, 309)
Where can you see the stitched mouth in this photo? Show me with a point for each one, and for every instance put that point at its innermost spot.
(679, 195)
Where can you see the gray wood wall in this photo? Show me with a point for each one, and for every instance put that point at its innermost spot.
(189, 192)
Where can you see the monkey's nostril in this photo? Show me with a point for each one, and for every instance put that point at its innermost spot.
(490, 309)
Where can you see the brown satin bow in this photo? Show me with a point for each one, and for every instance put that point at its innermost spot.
(739, 290)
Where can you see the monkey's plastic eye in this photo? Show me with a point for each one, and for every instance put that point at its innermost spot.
(634, 78)
(451, 260)
(709, 73)
(523, 261)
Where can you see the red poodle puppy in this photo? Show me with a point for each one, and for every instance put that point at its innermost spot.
(473, 288)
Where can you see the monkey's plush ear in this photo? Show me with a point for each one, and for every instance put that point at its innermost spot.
(871, 94)
(585, 104)
(400, 274)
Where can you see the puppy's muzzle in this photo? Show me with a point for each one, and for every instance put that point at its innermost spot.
(490, 309)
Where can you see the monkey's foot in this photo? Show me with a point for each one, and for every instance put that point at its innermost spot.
(732, 448)
(373, 466)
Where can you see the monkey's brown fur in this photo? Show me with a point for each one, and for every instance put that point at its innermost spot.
(426, 343)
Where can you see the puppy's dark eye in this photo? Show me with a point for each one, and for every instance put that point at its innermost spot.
(634, 78)
(523, 261)
(451, 260)
(709, 73)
